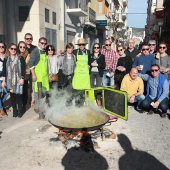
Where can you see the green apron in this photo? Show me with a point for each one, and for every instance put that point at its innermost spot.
(41, 71)
(81, 79)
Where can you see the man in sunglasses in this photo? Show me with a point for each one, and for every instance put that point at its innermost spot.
(157, 96)
(111, 59)
(39, 68)
(152, 47)
(131, 50)
(145, 61)
(28, 40)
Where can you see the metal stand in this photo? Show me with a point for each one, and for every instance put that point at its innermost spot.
(39, 84)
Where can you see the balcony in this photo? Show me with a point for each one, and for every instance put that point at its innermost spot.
(77, 8)
(124, 16)
(124, 3)
(91, 18)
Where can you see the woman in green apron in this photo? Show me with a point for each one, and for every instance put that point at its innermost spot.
(81, 79)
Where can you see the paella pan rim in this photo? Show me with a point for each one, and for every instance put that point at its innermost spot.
(94, 126)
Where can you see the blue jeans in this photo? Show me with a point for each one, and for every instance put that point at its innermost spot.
(3, 95)
(107, 80)
(139, 100)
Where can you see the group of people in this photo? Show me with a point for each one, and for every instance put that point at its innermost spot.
(143, 74)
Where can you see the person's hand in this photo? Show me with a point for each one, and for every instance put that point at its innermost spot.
(34, 78)
(119, 68)
(94, 64)
(21, 81)
(111, 74)
(138, 68)
(139, 54)
(123, 69)
(158, 55)
(3, 84)
(132, 99)
(155, 105)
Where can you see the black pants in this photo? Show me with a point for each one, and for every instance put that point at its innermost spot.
(25, 93)
(16, 102)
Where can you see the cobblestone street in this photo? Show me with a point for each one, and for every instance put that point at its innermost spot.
(142, 142)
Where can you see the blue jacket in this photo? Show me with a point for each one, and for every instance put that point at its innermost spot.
(161, 80)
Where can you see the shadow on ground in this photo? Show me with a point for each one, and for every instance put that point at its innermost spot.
(79, 159)
(136, 159)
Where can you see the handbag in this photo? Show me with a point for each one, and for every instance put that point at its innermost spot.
(53, 77)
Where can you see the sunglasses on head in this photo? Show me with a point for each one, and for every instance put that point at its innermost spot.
(154, 70)
(28, 38)
(152, 44)
(43, 43)
(120, 50)
(1, 46)
(96, 47)
(13, 49)
(162, 47)
(81, 44)
(22, 47)
(107, 44)
(145, 49)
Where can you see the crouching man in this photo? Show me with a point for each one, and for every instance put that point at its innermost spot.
(134, 87)
(157, 92)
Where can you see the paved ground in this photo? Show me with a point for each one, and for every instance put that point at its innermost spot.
(142, 143)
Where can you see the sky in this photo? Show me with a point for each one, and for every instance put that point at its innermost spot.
(137, 20)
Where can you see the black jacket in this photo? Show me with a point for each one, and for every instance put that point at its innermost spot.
(132, 54)
(100, 61)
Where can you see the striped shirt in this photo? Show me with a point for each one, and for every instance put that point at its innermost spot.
(111, 58)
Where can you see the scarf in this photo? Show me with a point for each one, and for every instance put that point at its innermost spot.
(124, 55)
(65, 64)
(13, 75)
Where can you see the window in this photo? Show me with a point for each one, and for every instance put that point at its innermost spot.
(51, 36)
(24, 13)
(47, 15)
(54, 18)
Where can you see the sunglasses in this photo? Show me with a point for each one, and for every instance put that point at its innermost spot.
(28, 38)
(50, 50)
(152, 44)
(162, 47)
(81, 44)
(13, 49)
(107, 44)
(120, 50)
(22, 47)
(145, 49)
(43, 43)
(1, 46)
(96, 47)
(154, 70)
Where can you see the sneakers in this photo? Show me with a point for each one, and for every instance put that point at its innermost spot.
(151, 112)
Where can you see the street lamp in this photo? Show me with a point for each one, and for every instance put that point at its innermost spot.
(160, 24)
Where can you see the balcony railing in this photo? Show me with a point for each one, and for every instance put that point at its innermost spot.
(77, 7)
(91, 18)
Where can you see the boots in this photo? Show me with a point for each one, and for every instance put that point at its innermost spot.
(15, 112)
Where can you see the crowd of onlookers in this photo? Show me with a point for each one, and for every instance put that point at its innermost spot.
(144, 74)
